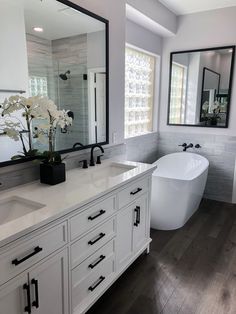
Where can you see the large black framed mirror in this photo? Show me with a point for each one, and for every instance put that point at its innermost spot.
(59, 50)
(200, 84)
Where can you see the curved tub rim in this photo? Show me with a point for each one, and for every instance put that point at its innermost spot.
(182, 179)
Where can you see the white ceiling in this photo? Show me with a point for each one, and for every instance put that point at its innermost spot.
(181, 7)
(57, 20)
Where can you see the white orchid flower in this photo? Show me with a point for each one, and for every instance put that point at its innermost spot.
(205, 106)
(39, 108)
(13, 134)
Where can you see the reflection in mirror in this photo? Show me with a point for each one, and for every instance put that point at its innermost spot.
(200, 87)
(61, 54)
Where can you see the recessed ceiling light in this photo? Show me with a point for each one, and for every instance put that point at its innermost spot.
(38, 29)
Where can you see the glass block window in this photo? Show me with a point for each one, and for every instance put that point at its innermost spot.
(38, 85)
(178, 94)
(139, 92)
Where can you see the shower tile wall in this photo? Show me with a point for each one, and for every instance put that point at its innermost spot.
(40, 61)
(40, 64)
(49, 59)
(142, 149)
(71, 54)
(219, 150)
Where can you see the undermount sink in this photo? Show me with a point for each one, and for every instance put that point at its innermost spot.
(114, 170)
(108, 171)
(14, 207)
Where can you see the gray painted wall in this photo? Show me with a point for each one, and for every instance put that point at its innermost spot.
(138, 36)
(157, 12)
(200, 30)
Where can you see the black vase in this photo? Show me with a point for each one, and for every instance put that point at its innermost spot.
(213, 121)
(52, 173)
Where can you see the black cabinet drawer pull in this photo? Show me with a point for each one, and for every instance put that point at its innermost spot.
(27, 309)
(37, 249)
(95, 285)
(100, 259)
(99, 237)
(137, 212)
(35, 303)
(135, 192)
(101, 212)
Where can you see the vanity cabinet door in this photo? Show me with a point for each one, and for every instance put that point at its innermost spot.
(13, 296)
(49, 285)
(132, 230)
(140, 234)
(124, 236)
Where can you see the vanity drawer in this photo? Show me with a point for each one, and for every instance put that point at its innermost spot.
(90, 243)
(23, 254)
(132, 191)
(92, 263)
(85, 290)
(91, 217)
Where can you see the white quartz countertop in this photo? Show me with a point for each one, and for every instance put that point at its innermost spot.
(81, 187)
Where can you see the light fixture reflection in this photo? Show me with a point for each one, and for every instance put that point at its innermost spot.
(38, 29)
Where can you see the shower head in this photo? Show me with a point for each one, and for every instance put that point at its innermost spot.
(64, 76)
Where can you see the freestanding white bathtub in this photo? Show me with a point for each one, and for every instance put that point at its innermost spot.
(178, 184)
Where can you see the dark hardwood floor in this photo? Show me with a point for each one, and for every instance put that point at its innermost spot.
(190, 270)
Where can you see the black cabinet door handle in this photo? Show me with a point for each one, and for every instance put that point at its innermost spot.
(138, 218)
(101, 212)
(95, 285)
(136, 215)
(99, 237)
(37, 249)
(100, 259)
(135, 192)
(28, 306)
(35, 303)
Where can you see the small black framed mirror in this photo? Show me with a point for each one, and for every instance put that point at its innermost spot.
(200, 87)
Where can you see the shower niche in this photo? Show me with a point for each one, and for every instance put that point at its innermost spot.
(63, 50)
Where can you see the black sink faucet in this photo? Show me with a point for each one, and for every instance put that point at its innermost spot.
(91, 156)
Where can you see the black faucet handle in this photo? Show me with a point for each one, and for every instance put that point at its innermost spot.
(91, 163)
(198, 146)
(191, 145)
(183, 145)
(99, 160)
(85, 164)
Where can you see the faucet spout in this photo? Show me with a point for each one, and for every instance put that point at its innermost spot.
(188, 146)
(92, 150)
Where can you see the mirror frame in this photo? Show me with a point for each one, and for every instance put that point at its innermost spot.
(230, 85)
(106, 22)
